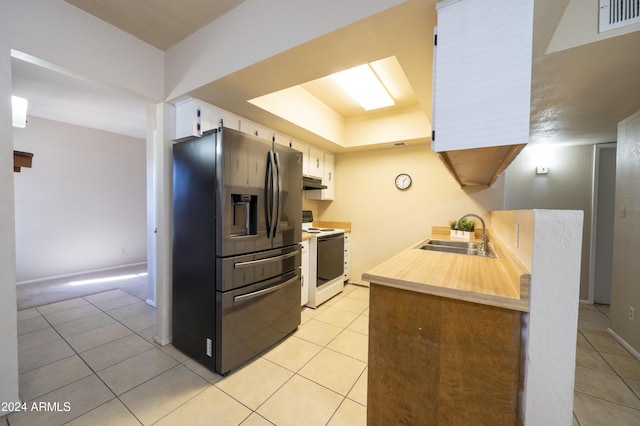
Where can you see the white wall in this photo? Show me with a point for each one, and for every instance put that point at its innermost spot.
(83, 204)
(8, 317)
(386, 220)
(568, 186)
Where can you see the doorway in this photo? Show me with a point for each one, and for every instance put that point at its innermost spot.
(603, 217)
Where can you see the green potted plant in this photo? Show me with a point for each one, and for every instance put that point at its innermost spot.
(465, 229)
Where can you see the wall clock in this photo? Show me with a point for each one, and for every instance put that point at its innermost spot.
(403, 181)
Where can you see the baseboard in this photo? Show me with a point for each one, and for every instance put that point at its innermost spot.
(361, 284)
(75, 274)
(624, 343)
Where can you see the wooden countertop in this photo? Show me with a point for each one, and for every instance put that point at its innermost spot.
(502, 281)
(332, 224)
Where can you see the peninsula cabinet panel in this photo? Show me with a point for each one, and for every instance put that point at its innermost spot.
(439, 361)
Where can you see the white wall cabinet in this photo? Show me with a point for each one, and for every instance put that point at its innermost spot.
(328, 179)
(305, 154)
(305, 273)
(255, 129)
(316, 162)
(482, 79)
(347, 255)
(192, 117)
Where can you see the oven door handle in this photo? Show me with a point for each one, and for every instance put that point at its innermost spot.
(251, 263)
(331, 237)
(245, 297)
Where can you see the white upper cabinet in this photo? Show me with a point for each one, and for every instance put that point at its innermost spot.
(316, 162)
(328, 180)
(255, 129)
(482, 73)
(281, 139)
(192, 117)
(304, 149)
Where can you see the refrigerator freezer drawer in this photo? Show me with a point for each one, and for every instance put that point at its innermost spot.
(239, 271)
(252, 319)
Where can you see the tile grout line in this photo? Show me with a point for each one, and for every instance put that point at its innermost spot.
(615, 372)
(93, 372)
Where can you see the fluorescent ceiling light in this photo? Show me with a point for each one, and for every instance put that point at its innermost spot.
(362, 85)
(19, 108)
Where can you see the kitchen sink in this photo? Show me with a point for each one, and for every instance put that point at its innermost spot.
(460, 247)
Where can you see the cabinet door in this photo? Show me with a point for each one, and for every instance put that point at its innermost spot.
(255, 129)
(282, 139)
(329, 175)
(482, 79)
(328, 179)
(316, 162)
(304, 149)
(186, 119)
(305, 273)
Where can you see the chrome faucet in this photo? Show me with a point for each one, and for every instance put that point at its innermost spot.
(483, 235)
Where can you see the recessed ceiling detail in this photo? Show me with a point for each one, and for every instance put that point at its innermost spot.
(324, 108)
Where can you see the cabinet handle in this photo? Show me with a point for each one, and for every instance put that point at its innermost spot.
(329, 175)
(317, 162)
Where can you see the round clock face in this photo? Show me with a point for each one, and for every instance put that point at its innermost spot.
(403, 181)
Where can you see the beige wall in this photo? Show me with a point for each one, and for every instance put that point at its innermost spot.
(568, 186)
(386, 220)
(625, 291)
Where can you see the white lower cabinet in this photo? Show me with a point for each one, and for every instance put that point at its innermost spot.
(305, 273)
(347, 260)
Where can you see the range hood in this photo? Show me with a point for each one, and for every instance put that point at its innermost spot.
(309, 182)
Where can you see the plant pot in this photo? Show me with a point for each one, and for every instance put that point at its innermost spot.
(460, 235)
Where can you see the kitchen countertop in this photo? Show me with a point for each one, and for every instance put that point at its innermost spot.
(346, 226)
(502, 281)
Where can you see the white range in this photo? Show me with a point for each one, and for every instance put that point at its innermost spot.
(326, 261)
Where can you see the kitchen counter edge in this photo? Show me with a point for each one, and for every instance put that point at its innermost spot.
(505, 268)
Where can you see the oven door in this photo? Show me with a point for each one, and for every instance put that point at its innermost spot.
(251, 319)
(330, 258)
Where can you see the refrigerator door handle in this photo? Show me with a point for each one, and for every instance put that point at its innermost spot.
(268, 191)
(254, 294)
(267, 260)
(278, 194)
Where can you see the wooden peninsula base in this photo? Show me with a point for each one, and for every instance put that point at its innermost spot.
(440, 361)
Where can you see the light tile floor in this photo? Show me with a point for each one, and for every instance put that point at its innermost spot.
(607, 384)
(96, 353)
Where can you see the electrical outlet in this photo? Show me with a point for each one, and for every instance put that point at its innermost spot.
(632, 313)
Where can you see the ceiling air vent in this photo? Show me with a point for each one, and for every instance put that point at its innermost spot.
(618, 13)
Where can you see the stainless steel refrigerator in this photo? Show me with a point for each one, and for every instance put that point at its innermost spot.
(237, 216)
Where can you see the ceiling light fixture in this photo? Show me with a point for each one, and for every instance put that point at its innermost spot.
(19, 109)
(363, 85)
